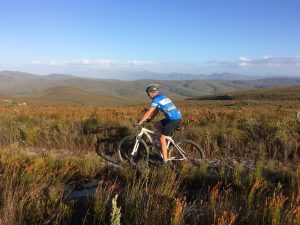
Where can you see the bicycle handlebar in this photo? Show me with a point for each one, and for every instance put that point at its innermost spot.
(137, 125)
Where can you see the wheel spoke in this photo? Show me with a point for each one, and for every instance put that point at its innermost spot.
(192, 151)
(133, 150)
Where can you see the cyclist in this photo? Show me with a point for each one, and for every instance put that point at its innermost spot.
(172, 116)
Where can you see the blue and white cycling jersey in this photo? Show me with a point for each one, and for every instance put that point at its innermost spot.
(166, 106)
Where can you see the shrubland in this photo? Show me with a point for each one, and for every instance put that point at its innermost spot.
(47, 151)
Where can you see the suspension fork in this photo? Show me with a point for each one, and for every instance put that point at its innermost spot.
(135, 147)
(137, 143)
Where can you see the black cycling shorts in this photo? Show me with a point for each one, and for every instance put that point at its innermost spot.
(168, 126)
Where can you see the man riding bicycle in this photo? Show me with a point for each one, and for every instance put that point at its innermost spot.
(172, 116)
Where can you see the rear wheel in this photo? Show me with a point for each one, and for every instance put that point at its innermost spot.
(192, 151)
(126, 147)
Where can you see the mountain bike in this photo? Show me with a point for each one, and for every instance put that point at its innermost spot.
(145, 146)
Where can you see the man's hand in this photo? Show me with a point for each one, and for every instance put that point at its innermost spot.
(148, 120)
(138, 125)
(147, 115)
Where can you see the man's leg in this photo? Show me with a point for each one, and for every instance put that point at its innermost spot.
(163, 143)
(167, 128)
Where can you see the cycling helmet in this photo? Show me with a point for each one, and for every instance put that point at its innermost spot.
(152, 87)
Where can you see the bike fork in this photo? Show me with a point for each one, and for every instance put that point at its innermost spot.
(135, 147)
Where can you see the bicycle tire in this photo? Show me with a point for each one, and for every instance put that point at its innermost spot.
(125, 147)
(193, 152)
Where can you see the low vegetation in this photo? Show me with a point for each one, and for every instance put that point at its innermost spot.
(35, 190)
(47, 153)
(256, 129)
(273, 93)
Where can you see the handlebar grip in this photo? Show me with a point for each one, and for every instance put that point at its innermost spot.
(137, 125)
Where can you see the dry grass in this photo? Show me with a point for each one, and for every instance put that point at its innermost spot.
(32, 188)
(33, 192)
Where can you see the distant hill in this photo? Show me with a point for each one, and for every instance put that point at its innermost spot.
(14, 82)
(73, 95)
(67, 88)
(276, 93)
(144, 75)
(230, 76)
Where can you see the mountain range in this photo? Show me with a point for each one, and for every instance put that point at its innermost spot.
(141, 75)
(60, 88)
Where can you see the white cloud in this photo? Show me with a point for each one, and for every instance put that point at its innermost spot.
(264, 62)
(53, 63)
(102, 63)
(86, 62)
(242, 58)
(293, 61)
(140, 63)
(243, 61)
(267, 65)
(109, 64)
(105, 62)
(36, 62)
(267, 56)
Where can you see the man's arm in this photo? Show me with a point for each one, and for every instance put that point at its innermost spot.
(154, 114)
(147, 115)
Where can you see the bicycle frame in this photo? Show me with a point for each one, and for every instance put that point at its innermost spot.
(148, 134)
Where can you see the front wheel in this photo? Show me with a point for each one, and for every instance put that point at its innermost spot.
(133, 149)
(192, 151)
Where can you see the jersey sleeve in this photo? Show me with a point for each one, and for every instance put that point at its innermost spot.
(154, 104)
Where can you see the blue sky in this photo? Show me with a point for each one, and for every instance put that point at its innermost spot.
(250, 37)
